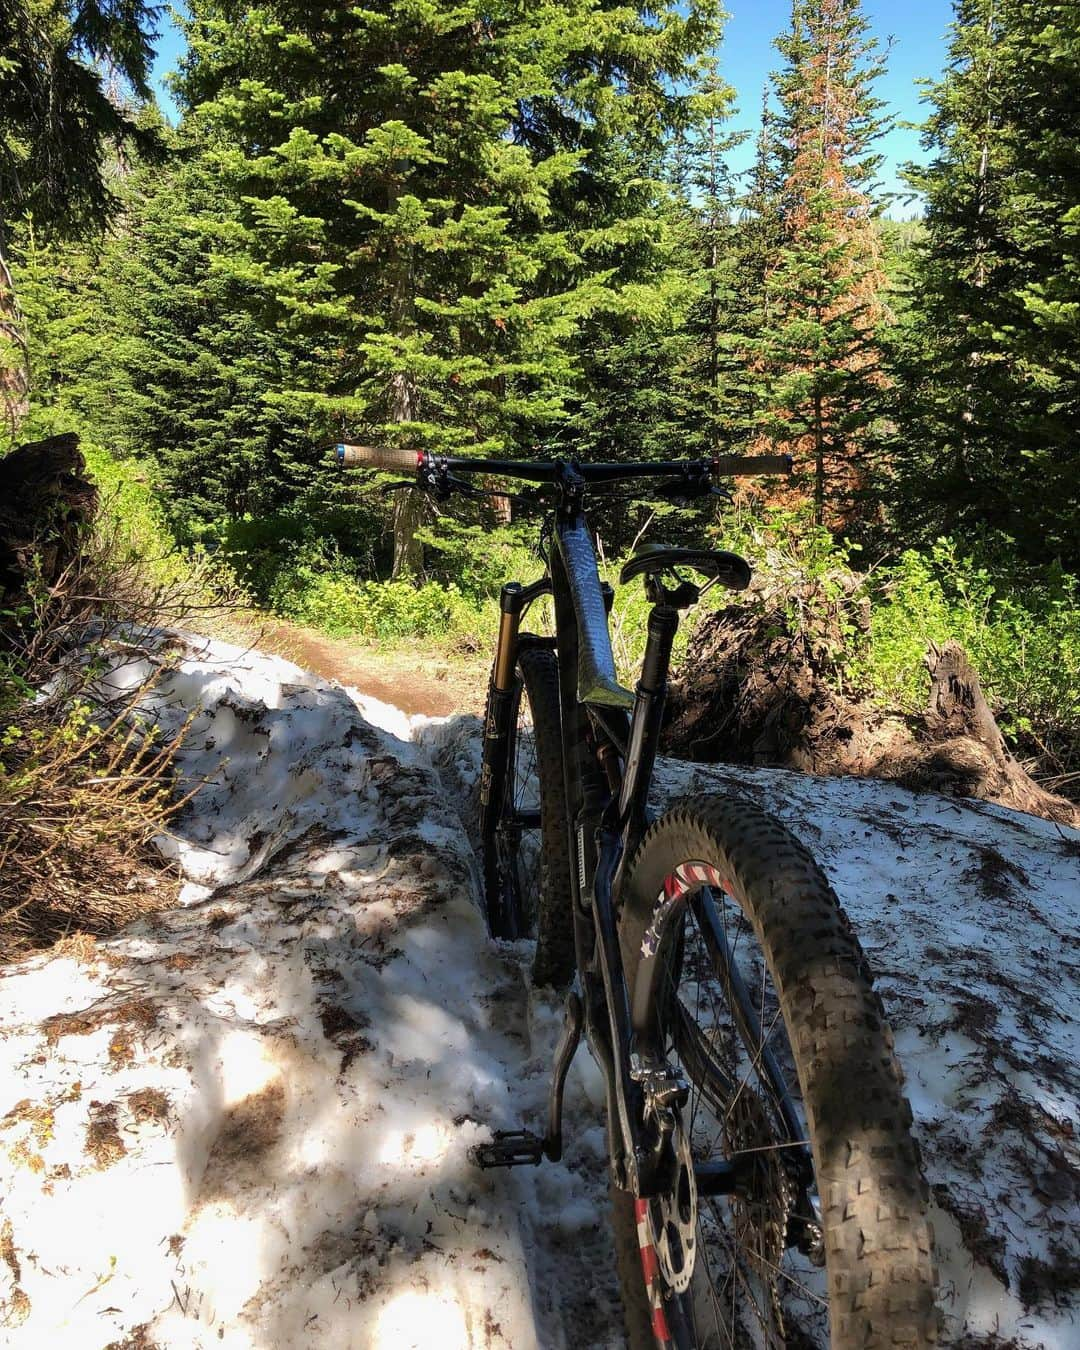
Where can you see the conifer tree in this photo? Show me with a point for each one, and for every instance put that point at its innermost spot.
(652, 367)
(991, 358)
(57, 125)
(755, 244)
(817, 343)
(434, 199)
(711, 380)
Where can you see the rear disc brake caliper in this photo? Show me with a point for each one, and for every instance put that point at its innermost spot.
(672, 1211)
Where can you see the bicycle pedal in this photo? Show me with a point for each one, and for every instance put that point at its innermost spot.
(510, 1148)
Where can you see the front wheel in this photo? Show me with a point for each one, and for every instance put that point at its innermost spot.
(793, 1211)
(525, 850)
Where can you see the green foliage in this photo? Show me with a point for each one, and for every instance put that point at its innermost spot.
(989, 360)
(324, 592)
(816, 344)
(57, 118)
(479, 558)
(1019, 625)
(434, 232)
(1021, 631)
(131, 518)
(486, 227)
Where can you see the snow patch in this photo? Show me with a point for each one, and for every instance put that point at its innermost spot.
(245, 1122)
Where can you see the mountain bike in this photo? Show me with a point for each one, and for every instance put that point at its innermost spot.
(766, 1189)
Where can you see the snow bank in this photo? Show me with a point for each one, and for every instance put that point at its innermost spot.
(244, 1122)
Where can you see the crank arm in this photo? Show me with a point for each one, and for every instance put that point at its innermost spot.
(522, 1148)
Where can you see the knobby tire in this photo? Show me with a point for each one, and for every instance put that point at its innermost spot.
(829, 1026)
(527, 882)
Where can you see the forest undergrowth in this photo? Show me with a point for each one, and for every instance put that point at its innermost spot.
(86, 781)
(1019, 624)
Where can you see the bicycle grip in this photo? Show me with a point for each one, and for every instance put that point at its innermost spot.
(744, 466)
(393, 458)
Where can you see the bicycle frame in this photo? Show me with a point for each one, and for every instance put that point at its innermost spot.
(609, 740)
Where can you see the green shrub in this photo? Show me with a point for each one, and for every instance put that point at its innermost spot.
(479, 559)
(1021, 632)
(133, 532)
(323, 594)
(1020, 626)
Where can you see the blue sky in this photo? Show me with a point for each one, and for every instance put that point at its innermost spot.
(917, 29)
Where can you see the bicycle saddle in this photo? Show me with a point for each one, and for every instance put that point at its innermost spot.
(727, 568)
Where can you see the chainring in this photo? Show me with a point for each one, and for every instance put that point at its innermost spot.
(672, 1217)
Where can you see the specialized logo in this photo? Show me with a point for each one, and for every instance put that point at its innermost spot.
(676, 885)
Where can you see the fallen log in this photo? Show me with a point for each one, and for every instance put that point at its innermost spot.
(756, 688)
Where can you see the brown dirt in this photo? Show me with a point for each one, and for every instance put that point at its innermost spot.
(8, 1253)
(410, 676)
(103, 1142)
(250, 1131)
(135, 1012)
(148, 1104)
(345, 1029)
(137, 1339)
(17, 1308)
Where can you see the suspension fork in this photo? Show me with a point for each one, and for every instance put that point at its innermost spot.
(514, 600)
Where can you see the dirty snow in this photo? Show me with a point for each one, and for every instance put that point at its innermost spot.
(244, 1122)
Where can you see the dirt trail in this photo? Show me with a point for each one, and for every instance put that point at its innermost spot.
(409, 678)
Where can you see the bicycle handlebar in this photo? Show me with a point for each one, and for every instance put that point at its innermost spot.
(397, 460)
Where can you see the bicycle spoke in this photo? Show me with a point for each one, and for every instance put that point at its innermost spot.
(747, 1291)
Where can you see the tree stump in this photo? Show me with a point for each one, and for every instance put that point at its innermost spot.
(755, 689)
(46, 504)
(966, 740)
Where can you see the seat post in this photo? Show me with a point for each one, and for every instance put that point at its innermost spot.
(649, 698)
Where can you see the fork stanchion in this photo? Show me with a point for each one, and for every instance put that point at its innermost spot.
(510, 603)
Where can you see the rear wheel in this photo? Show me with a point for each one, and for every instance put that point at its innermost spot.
(793, 1210)
(526, 853)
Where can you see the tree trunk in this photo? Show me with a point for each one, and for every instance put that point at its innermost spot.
(14, 371)
(408, 506)
(714, 258)
(819, 461)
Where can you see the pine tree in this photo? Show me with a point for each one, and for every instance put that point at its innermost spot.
(435, 199)
(58, 124)
(652, 367)
(817, 343)
(991, 356)
(710, 381)
(756, 242)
